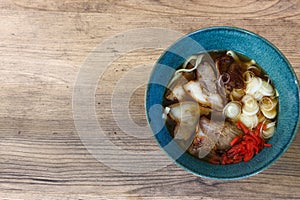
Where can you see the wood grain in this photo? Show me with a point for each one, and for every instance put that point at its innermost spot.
(42, 47)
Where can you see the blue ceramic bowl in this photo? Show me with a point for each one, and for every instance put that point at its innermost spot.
(252, 46)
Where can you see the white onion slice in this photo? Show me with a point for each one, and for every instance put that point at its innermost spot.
(254, 85)
(268, 104)
(232, 110)
(266, 89)
(269, 114)
(237, 93)
(250, 121)
(248, 76)
(261, 117)
(268, 107)
(250, 106)
(269, 132)
(258, 96)
(270, 124)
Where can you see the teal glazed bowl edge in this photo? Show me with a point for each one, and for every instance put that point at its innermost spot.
(246, 43)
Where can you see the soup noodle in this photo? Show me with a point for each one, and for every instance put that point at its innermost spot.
(221, 107)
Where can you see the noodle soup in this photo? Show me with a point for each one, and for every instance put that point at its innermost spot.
(221, 107)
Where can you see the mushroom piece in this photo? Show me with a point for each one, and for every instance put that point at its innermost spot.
(230, 65)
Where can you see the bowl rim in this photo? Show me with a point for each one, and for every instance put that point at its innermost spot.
(290, 68)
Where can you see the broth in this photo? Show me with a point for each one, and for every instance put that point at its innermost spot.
(221, 107)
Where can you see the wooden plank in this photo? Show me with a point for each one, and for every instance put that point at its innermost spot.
(42, 47)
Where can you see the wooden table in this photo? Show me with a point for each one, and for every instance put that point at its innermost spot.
(43, 46)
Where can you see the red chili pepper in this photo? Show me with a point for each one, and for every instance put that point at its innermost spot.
(244, 146)
(257, 132)
(255, 149)
(264, 127)
(259, 126)
(229, 161)
(238, 125)
(261, 145)
(214, 160)
(267, 145)
(235, 140)
(237, 157)
(249, 146)
(223, 160)
(257, 139)
(244, 128)
(250, 139)
(231, 153)
(248, 156)
(237, 161)
(235, 148)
